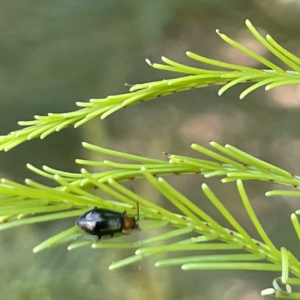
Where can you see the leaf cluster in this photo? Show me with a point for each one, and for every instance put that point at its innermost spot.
(191, 230)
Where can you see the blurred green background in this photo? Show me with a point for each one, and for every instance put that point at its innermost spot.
(54, 53)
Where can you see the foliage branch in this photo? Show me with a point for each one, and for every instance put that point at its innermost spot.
(34, 202)
(233, 74)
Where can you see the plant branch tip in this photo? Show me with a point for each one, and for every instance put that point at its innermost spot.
(239, 182)
(83, 171)
(110, 180)
(57, 177)
(204, 186)
(130, 85)
(268, 292)
(148, 61)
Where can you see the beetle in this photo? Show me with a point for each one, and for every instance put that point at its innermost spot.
(101, 221)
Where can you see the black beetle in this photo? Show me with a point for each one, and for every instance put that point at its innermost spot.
(101, 221)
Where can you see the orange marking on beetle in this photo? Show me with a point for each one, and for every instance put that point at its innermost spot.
(129, 223)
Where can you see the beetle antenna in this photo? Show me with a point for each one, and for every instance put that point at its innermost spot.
(138, 228)
(138, 211)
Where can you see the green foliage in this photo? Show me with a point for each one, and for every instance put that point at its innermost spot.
(73, 195)
(272, 77)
